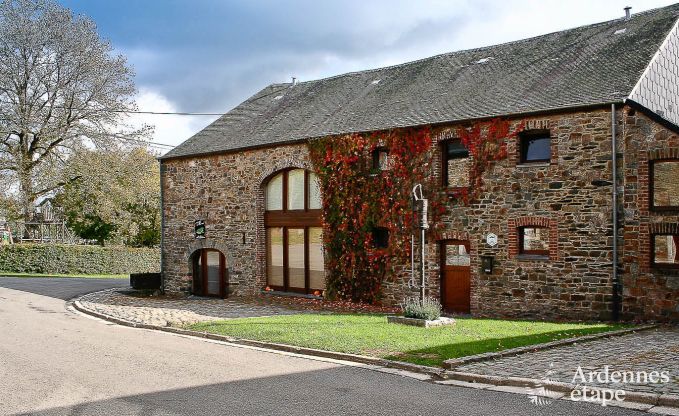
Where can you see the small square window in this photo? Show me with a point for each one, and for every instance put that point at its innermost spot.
(534, 241)
(380, 237)
(455, 164)
(665, 250)
(535, 146)
(665, 184)
(380, 159)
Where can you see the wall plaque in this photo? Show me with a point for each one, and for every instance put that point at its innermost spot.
(199, 228)
(491, 239)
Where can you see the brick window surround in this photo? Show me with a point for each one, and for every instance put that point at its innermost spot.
(653, 187)
(655, 230)
(646, 159)
(514, 226)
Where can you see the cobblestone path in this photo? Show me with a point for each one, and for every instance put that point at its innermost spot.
(163, 311)
(654, 350)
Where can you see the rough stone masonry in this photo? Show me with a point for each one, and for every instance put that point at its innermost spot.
(570, 196)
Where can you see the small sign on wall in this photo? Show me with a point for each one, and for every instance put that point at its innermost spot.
(491, 239)
(199, 228)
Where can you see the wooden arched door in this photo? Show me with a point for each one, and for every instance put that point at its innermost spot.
(210, 274)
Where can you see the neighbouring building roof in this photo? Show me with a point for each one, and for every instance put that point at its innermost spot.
(588, 65)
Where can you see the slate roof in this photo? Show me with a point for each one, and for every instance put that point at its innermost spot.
(588, 65)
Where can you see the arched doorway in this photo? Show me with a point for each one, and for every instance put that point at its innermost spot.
(294, 243)
(209, 273)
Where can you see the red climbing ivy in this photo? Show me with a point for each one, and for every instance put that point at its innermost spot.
(357, 199)
(487, 144)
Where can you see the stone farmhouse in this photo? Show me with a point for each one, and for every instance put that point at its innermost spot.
(242, 209)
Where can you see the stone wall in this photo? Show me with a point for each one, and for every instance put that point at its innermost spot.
(571, 196)
(226, 191)
(648, 292)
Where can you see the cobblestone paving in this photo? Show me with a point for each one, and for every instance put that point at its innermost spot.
(168, 311)
(655, 350)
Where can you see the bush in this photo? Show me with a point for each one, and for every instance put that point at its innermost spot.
(73, 259)
(429, 308)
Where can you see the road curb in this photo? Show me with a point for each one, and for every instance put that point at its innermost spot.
(458, 362)
(652, 399)
(436, 374)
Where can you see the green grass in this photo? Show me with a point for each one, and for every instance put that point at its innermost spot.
(372, 335)
(47, 275)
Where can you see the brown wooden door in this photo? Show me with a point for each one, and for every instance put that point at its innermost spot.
(455, 276)
(210, 274)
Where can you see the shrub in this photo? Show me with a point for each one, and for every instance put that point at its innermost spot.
(73, 259)
(429, 308)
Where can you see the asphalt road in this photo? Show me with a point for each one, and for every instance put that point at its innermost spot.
(57, 362)
(64, 288)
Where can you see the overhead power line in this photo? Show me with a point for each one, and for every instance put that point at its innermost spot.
(157, 113)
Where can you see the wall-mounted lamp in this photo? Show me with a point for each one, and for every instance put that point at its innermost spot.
(487, 263)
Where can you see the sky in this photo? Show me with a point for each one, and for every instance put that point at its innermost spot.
(210, 55)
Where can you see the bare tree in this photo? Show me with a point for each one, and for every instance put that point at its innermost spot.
(61, 86)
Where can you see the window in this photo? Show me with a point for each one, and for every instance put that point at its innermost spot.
(456, 163)
(665, 184)
(294, 245)
(534, 241)
(314, 191)
(457, 253)
(380, 237)
(665, 250)
(380, 159)
(535, 146)
(274, 193)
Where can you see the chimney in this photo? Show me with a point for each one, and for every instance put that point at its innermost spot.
(628, 14)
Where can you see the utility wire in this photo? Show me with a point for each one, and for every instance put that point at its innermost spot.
(158, 113)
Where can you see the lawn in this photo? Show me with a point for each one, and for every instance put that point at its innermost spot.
(47, 275)
(372, 335)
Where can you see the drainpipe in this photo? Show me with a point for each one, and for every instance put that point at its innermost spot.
(162, 227)
(616, 278)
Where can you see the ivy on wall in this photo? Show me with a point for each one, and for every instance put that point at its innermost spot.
(357, 199)
(487, 144)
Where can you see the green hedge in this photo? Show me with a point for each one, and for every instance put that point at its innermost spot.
(70, 259)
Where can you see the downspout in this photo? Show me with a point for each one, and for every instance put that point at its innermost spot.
(616, 278)
(162, 227)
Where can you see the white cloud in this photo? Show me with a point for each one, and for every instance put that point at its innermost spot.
(168, 129)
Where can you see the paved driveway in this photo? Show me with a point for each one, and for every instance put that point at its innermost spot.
(56, 362)
(638, 353)
(61, 288)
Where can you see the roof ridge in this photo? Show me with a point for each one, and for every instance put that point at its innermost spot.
(481, 48)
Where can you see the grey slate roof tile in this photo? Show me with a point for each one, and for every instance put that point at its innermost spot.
(587, 65)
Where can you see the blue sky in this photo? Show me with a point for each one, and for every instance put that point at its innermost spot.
(209, 55)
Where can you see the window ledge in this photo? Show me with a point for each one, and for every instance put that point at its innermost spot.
(534, 165)
(532, 257)
(665, 210)
(455, 189)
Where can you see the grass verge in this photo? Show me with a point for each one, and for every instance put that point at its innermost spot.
(372, 335)
(47, 275)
